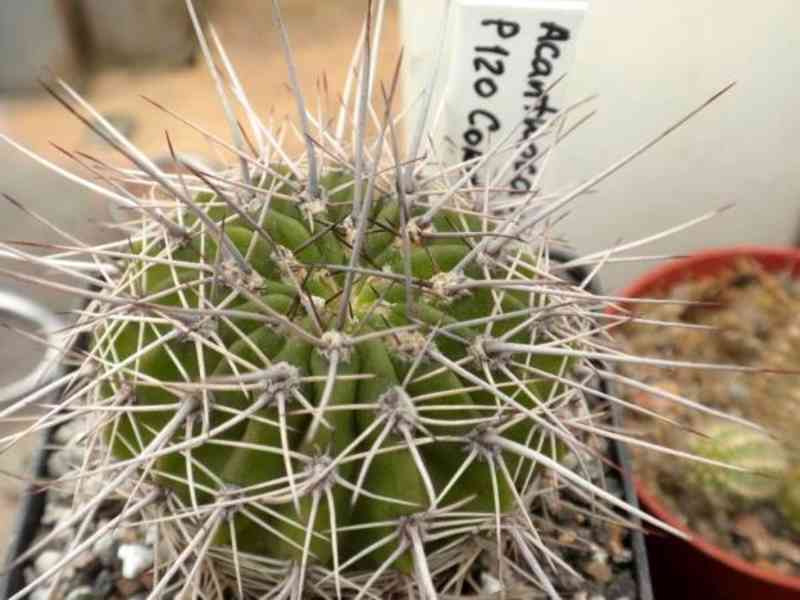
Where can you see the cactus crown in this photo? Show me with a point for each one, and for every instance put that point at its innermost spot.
(344, 374)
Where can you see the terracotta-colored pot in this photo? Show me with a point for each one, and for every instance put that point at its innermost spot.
(697, 569)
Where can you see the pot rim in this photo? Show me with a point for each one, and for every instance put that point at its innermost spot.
(673, 272)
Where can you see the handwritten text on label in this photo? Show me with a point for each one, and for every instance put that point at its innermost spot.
(489, 62)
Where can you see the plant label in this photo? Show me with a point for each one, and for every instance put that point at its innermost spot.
(501, 67)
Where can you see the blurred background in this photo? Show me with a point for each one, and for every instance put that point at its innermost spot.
(649, 63)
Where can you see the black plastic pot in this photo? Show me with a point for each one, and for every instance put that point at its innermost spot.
(28, 521)
(620, 452)
(33, 504)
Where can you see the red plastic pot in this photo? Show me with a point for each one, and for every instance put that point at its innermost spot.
(695, 568)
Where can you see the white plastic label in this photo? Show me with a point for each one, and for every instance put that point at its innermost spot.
(502, 58)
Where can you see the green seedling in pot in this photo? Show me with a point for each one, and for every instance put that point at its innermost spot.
(759, 463)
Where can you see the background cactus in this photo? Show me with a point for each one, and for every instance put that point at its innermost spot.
(341, 375)
(760, 462)
(789, 499)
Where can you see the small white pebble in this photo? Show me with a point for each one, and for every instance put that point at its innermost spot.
(599, 554)
(64, 461)
(71, 431)
(135, 559)
(621, 557)
(490, 585)
(151, 536)
(54, 513)
(103, 545)
(29, 573)
(46, 560)
(40, 594)
(91, 486)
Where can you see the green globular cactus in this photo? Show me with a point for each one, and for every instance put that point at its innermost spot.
(360, 382)
(754, 464)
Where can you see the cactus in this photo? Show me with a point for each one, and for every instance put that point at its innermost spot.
(264, 333)
(789, 499)
(342, 374)
(759, 463)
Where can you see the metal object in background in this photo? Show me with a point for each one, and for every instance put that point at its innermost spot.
(50, 329)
